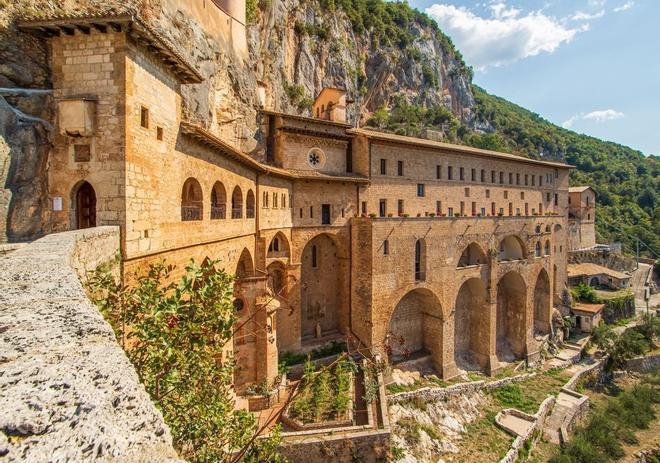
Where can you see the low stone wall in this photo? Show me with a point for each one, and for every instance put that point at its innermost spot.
(434, 393)
(643, 364)
(368, 446)
(603, 258)
(539, 420)
(67, 390)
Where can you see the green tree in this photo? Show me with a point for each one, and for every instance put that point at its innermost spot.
(175, 333)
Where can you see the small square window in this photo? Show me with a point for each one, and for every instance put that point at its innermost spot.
(144, 117)
(82, 153)
(159, 133)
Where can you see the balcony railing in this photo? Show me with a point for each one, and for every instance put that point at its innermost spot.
(218, 212)
(236, 213)
(191, 213)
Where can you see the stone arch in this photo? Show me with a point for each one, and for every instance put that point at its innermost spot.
(472, 255)
(512, 248)
(237, 203)
(321, 290)
(83, 199)
(277, 278)
(278, 247)
(218, 201)
(415, 326)
(245, 267)
(471, 330)
(542, 303)
(511, 315)
(420, 260)
(192, 200)
(249, 204)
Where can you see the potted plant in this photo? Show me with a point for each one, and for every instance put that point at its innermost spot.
(372, 215)
(390, 214)
(431, 214)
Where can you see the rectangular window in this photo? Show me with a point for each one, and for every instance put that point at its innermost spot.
(461, 173)
(474, 175)
(82, 153)
(492, 176)
(325, 214)
(510, 208)
(506, 194)
(487, 193)
(533, 180)
(159, 133)
(467, 192)
(450, 211)
(526, 179)
(526, 209)
(450, 173)
(474, 208)
(517, 179)
(547, 197)
(311, 212)
(274, 200)
(501, 211)
(364, 207)
(501, 178)
(483, 212)
(438, 207)
(400, 207)
(314, 258)
(462, 208)
(483, 176)
(492, 208)
(556, 199)
(522, 195)
(382, 208)
(383, 167)
(283, 201)
(266, 196)
(510, 178)
(438, 172)
(144, 117)
(301, 213)
(556, 173)
(342, 212)
(517, 211)
(399, 168)
(386, 248)
(540, 180)
(349, 158)
(541, 208)
(420, 190)
(290, 201)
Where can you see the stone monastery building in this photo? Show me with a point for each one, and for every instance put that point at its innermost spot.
(407, 246)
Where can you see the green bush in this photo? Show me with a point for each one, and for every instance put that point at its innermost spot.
(585, 293)
(175, 333)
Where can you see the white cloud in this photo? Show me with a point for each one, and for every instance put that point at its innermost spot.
(507, 36)
(624, 7)
(598, 116)
(582, 16)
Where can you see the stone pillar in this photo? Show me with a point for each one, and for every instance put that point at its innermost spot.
(493, 363)
(267, 355)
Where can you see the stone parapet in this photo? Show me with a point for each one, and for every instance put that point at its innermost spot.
(67, 390)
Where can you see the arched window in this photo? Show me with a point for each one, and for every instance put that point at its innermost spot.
(511, 248)
(218, 201)
(420, 260)
(278, 247)
(538, 249)
(237, 203)
(249, 205)
(538, 229)
(192, 205)
(472, 255)
(547, 248)
(547, 228)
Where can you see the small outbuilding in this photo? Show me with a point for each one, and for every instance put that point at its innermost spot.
(587, 316)
(596, 275)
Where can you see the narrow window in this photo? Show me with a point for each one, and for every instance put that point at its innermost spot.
(364, 207)
(540, 180)
(501, 177)
(483, 176)
(556, 199)
(159, 133)
(438, 172)
(483, 212)
(450, 211)
(283, 201)
(383, 167)
(325, 214)
(382, 208)
(420, 259)
(492, 208)
(510, 208)
(144, 117)
(311, 212)
(547, 198)
(462, 208)
(506, 194)
(526, 179)
(517, 179)
(314, 260)
(450, 173)
(492, 176)
(400, 207)
(522, 195)
(474, 175)
(526, 209)
(501, 212)
(420, 190)
(274, 200)
(540, 208)
(349, 158)
(399, 168)
(510, 178)
(467, 192)
(474, 208)
(461, 173)
(487, 193)
(438, 207)
(533, 180)
(301, 213)
(290, 201)
(386, 248)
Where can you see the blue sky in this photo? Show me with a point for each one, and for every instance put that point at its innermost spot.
(590, 65)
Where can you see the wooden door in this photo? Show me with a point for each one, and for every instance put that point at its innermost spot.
(85, 206)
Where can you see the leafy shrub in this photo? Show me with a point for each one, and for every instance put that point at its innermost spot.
(174, 333)
(585, 293)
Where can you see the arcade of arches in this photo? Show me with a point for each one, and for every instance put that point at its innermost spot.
(511, 308)
(471, 325)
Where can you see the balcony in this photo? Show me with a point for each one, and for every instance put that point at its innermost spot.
(191, 213)
(218, 212)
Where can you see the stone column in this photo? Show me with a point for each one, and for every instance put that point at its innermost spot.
(493, 363)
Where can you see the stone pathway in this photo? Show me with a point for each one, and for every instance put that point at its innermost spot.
(564, 405)
(516, 424)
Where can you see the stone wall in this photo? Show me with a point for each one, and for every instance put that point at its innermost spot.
(67, 390)
(604, 258)
(643, 364)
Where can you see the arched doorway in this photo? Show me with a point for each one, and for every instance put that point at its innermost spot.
(471, 333)
(542, 305)
(192, 203)
(277, 278)
(85, 198)
(511, 307)
(416, 327)
(321, 288)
